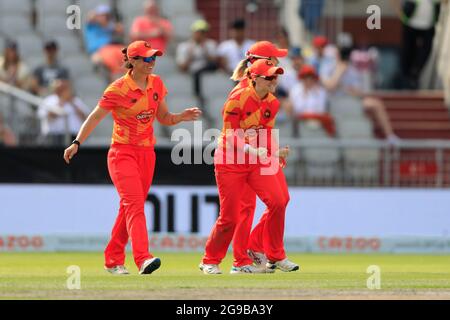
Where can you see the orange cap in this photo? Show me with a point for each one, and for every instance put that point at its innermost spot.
(265, 49)
(320, 41)
(264, 68)
(307, 70)
(142, 49)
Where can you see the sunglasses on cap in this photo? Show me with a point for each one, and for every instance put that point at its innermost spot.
(269, 78)
(146, 59)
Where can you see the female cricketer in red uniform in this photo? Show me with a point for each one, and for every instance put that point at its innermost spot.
(246, 245)
(134, 100)
(249, 116)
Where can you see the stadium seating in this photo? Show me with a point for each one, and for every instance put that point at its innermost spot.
(13, 25)
(165, 66)
(79, 65)
(15, 7)
(346, 106)
(90, 85)
(47, 8)
(216, 84)
(320, 164)
(173, 8)
(179, 84)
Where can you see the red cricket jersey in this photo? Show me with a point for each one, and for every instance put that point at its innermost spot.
(133, 109)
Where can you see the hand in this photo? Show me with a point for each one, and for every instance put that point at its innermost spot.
(191, 114)
(283, 152)
(259, 152)
(70, 152)
(341, 67)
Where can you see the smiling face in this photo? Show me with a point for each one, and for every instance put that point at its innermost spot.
(142, 67)
(264, 85)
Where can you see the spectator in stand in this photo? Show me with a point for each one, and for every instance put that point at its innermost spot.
(151, 27)
(44, 75)
(61, 113)
(100, 29)
(197, 56)
(365, 60)
(419, 18)
(109, 60)
(344, 79)
(308, 100)
(12, 70)
(292, 68)
(233, 50)
(324, 56)
(283, 42)
(310, 12)
(7, 137)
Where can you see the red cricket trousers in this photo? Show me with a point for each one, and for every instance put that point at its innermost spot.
(131, 169)
(271, 189)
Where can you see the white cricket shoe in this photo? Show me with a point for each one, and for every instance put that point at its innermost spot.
(150, 265)
(117, 270)
(247, 269)
(284, 265)
(260, 260)
(209, 268)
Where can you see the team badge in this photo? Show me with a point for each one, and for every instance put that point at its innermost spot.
(155, 96)
(133, 100)
(267, 114)
(147, 45)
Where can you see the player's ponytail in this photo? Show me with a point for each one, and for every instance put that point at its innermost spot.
(239, 71)
(128, 65)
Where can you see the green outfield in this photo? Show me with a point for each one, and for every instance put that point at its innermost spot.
(43, 276)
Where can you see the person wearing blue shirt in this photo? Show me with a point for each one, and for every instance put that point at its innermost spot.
(100, 29)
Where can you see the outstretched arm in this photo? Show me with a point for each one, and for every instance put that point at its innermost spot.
(169, 119)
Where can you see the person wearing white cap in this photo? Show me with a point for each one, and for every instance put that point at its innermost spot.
(197, 55)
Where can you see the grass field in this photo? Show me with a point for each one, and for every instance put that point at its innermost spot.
(43, 276)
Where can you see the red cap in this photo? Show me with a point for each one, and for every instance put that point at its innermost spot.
(307, 70)
(142, 49)
(266, 49)
(264, 68)
(320, 41)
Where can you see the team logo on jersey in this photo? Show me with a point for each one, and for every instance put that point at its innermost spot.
(155, 96)
(145, 116)
(267, 114)
(133, 100)
(147, 45)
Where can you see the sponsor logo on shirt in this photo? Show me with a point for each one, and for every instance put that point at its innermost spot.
(145, 116)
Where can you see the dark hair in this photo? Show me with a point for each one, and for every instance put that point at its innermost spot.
(10, 44)
(238, 24)
(283, 31)
(344, 53)
(51, 45)
(128, 64)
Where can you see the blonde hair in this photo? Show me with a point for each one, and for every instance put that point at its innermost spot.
(239, 71)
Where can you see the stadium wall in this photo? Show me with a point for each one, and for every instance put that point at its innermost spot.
(67, 217)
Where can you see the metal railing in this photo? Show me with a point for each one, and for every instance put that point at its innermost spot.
(370, 163)
(363, 163)
(20, 112)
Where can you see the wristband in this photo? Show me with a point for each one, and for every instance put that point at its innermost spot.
(76, 142)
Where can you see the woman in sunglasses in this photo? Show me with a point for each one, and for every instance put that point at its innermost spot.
(247, 156)
(135, 100)
(248, 246)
